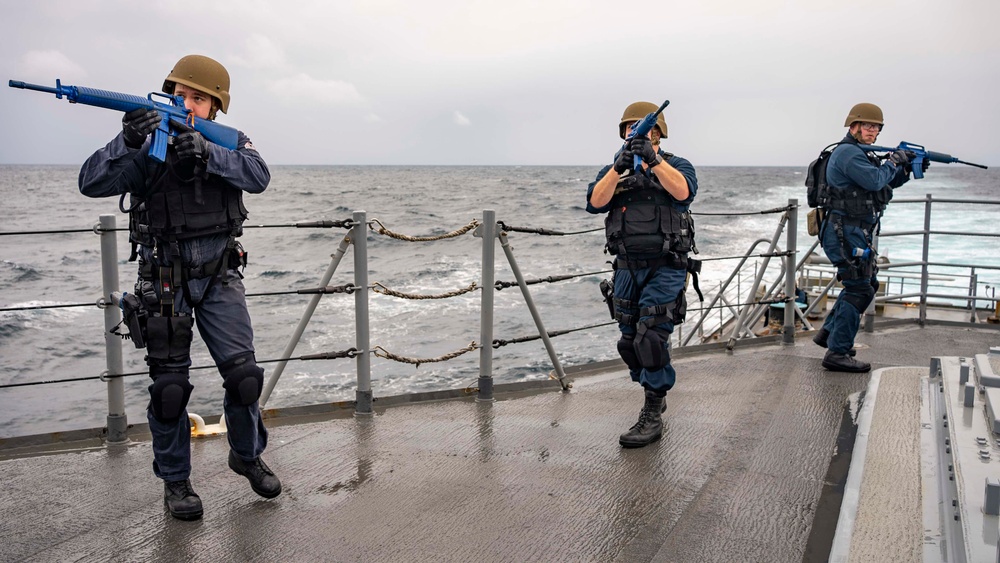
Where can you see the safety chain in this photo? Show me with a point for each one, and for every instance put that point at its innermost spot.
(541, 231)
(550, 279)
(382, 230)
(383, 353)
(379, 288)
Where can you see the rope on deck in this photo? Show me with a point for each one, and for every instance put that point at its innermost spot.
(382, 230)
(379, 288)
(383, 353)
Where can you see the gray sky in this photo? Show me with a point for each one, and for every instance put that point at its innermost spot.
(759, 82)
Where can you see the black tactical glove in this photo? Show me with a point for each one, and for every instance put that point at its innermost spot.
(643, 147)
(899, 158)
(190, 144)
(925, 165)
(137, 125)
(624, 160)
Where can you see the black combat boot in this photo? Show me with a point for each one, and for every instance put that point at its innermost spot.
(181, 500)
(262, 479)
(820, 339)
(649, 428)
(843, 362)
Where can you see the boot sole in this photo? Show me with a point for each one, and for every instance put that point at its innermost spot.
(834, 367)
(186, 516)
(630, 445)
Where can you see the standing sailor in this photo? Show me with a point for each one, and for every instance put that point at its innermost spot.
(650, 232)
(184, 217)
(860, 189)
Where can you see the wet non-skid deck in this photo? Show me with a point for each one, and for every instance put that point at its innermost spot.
(746, 471)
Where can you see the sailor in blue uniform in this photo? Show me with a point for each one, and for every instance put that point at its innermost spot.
(185, 215)
(650, 232)
(860, 188)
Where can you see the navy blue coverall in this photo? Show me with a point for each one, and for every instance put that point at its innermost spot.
(851, 167)
(659, 285)
(221, 311)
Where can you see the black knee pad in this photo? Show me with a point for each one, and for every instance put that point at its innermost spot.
(169, 393)
(244, 379)
(860, 297)
(652, 347)
(626, 349)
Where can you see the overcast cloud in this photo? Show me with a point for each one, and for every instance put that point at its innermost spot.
(764, 82)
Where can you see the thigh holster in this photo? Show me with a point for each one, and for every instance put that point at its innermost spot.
(169, 338)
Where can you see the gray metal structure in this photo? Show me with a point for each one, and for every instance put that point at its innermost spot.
(749, 469)
(117, 420)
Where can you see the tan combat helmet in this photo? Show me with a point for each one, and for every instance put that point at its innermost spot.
(201, 73)
(638, 110)
(868, 113)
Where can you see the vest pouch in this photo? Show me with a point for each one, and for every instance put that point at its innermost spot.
(882, 198)
(641, 226)
(679, 227)
(813, 220)
(156, 210)
(205, 214)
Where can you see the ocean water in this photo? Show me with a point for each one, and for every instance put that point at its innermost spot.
(48, 269)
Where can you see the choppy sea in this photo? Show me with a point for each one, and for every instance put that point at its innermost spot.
(64, 268)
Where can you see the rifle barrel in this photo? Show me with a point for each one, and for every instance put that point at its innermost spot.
(983, 166)
(26, 86)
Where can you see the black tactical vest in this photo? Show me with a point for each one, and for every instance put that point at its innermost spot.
(182, 202)
(857, 202)
(643, 222)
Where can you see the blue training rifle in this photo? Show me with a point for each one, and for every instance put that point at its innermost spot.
(174, 112)
(921, 154)
(643, 128)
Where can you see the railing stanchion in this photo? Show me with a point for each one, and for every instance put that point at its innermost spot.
(534, 312)
(359, 233)
(869, 319)
(488, 232)
(336, 257)
(973, 290)
(117, 420)
(788, 334)
(925, 255)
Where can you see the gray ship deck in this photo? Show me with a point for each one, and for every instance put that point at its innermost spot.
(748, 470)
